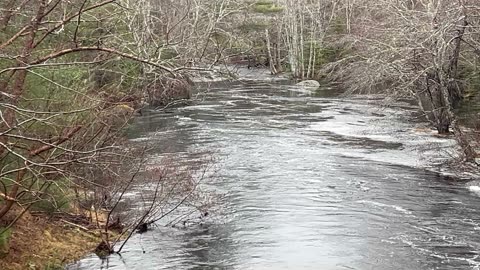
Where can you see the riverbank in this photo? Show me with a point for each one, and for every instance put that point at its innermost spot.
(40, 242)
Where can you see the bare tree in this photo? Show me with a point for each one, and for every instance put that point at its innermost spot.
(413, 48)
(72, 74)
(61, 122)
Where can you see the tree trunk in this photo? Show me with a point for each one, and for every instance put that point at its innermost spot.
(278, 53)
(437, 107)
(10, 201)
(271, 61)
(455, 89)
(16, 91)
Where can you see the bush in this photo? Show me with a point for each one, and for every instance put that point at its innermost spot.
(253, 27)
(267, 7)
(58, 199)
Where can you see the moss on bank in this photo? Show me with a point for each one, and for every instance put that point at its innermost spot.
(38, 243)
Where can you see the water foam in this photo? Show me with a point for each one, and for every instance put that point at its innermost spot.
(475, 189)
(383, 205)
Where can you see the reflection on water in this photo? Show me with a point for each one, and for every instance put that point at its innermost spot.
(309, 182)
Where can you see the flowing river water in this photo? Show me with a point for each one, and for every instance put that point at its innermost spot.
(309, 182)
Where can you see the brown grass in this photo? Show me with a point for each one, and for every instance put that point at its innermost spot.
(39, 243)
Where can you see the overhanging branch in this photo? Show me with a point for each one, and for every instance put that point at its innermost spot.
(58, 54)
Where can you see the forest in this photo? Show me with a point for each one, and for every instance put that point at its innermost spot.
(75, 74)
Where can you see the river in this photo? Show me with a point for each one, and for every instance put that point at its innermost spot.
(309, 182)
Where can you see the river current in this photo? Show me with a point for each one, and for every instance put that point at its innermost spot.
(309, 182)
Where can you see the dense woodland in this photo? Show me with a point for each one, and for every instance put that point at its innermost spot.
(73, 73)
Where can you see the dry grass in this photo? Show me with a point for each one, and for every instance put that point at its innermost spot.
(39, 243)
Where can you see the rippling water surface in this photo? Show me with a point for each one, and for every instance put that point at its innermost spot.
(309, 182)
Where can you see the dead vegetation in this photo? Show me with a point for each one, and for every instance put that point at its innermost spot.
(39, 242)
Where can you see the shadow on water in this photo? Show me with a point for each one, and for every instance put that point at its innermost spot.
(309, 181)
